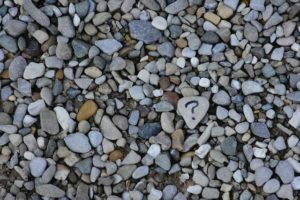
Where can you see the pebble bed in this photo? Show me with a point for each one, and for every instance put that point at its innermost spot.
(149, 99)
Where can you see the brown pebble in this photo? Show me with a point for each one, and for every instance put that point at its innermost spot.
(181, 42)
(88, 109)
(164, 82)
(171, 97)
(59, 74)
(177, 139)
(116, 155)
(4, 74)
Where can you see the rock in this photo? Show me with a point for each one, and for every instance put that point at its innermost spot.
(177, 6)
(136, 92)
(8, 43)
(250, 32)
(149, 129)
(140, 172)
(159, 23)
(257, 5)
(15, 27)
(296, 183)
(210, 193)
(163, 161)
(224, 11)
(144, 31)
(285, 171)
(63, 117)
(251, 87)
(65, 26)
(78, 142)
(224, 174)
(194, 189)
(221, 98)
(49, 122)
(37, 166)
(49, 190)
(36, 107)
(131, 158)
(273, 20)
(82, 191)
(262, 175)
(200, 178)
(117, 64)
(108, 46)
(101, 18)
(277, 54)
(82, 8)
(54, 62)
(260, 129)
(36, 13)
(108, 129)
(229, 146)
(166, 49)
(17, 67)
(63, 51)
(294, 96)
(95, 138)
(285, 192)
(87, 110)
(271, 186)
(193, 110)
(169, 192)
(80, 48)
(34, 70)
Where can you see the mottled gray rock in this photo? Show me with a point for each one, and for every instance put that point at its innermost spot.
(229, 146)
(262, 175)
(285, 171)
(49, 122)
(37, 166)
(109, 130)
(221, 98)
(16, 68)
(49, 190)
(149, 129)
(251, 87)
(34, 70)
(144, 31)
(271, 186)
(78, 142)
(176, 6)
(80, 48)
(65, 26)
(166, 49)
(8, 43)
(108, 46)
(15, 27)
(36, 13)
(260, 129)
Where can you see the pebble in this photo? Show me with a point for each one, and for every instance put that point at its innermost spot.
(262, 175)
(271, 186)
(160, 23)
(37, 166)
(221, 98)
(144, 31)
(63, 117)
(49, 190)
(285, 171)
(49, 122)
(15, 27)
(36, 13)
(87, 110)
(251, 87)
(149, 129)
(176, 6)
(108, 129)
(140, 172)
(108, 46)
(78, 142)
(229, 146)
(8, 43)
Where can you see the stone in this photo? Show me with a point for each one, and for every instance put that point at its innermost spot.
(277, 54)
(78, 142)
(95, 138)
(36, 13)
(144, 31)
(169, 192)
(296, 183)
(221, 98)
(250, 32)
(200, 178)
(36, 107)
(262, 175)
(193, 109)
(108, 129)
(149, 129)
(63, 51)
(49, 190)
(166, 49)
(271, 186)
(65, 26)
(160, 23)
(285, 192)
(80, 48)
(224, 174)
(37, 166)
(15, 27)
(260, 129)
(176, 6)
(17, 67)
(117, 64)
(136, 92)
(273, 20)
(257, 5)
(210, 193)
(54, 62)
(285, 171)
(63, 117)
(34, 70)
(49, 122)
(163, 161)
(140, 172)
(101, 18)
(108, 46)
(8, 43)
(87, 110)
(224, 11)
(251, 87)
(131, 158)
(194, 189)
(82, 8)
(229, 146)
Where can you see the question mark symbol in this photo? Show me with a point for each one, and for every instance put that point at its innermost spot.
(193, 107)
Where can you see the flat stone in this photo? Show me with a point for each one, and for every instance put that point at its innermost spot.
(177, 6)
(250, 32)
(95, 138)
(229, 146)
(49, 190)
(108, 129)
(221, 98)
(65, 26)
(210, 193)
(82, 8)
(101, 18)
(169, 192)
(117, 64)
(163, 161)
(108, 46)
(160, 23)
(260, 129)
(257, 5)
(136, 92)
(17, 67)
(273, 20)
(78, 142)
(36, 13)
(36, 107)
(285, 192)
(34, 70)
(63, 51)
(87, 110)
(54, 62)
(63, 117)
(262, 175)
(285, 171)
(131, 158)
(200, 178)
(294, 96)
(8, 43)
(144, 31)
(193, 110)
(224, 174)
(271, 186)
(80, 48)
(37, 166)
(251, 87)
(166, 49)
(15, 27)
(49, 122)
(140, 172)
(149, 129)
(277, 54)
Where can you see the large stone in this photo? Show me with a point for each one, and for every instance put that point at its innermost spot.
(109, 130)
(78, 142)
(251, 87)
(87, 110)
(34, 70)
(108, 46)
(65, 26)
(15, 27)
(49, 190)
(144, 31)
(36, 13)
(49, 122)
(260, 129)
(193, 109)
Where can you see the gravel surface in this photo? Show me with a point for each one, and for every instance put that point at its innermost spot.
(149, 99)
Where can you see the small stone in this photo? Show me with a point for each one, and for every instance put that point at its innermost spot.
(260, 129)
(224, 174)
(136, 92)
(63, 117)
(8, 43)
(34, 70)
(87, 110)
(49, 122)
(257, 5)
(65, 26)
(277, 54)
(144, 31)
(224, 11)
(54, 62)
(149, 129)
(250, 32)
(140, 172)
(131, 158)
(95, 138)
(229, 146)
(169, 192)
(108, 129)
(285, 192)
(82, 8)
(78, 142)
(273, 20)
(163, 161)
(251, 87)
(108, 46)
(37, 166)
(262, 175)
(193, 110)
(117, 64)
(176, 6)
(200, 178)
(63, 51)
(221, 98)
(210, 193)
(159, 23)
(17, 67)
(80, 48)
(194, 189)
(166, 49)
(271, 186)
(49, 190)
(101, 18)
(154, 150)
(296, 183)
(36, 107)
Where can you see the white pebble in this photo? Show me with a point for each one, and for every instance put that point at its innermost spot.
(160, 23)
(154, 150)
(204, 82)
